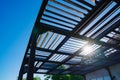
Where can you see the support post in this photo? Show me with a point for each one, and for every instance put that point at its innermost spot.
(32, 46)
(20, 77)
(109, 72)
(31, 61)
(21, 72)
(84, 77)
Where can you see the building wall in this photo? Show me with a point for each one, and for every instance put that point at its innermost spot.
(115, 71)
(103, 74)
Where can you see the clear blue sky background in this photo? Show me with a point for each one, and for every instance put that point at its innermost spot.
(17, 18)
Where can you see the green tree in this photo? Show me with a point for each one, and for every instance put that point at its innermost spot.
(35, 78)
(60, 77)
(47, 77)
(63, 77)
(76, 77)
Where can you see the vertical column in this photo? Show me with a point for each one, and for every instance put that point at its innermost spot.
(20, 75)
(34, 39)
(21, 72)
(84, 76)
(109, 73)
(32, 45)
(31, 61)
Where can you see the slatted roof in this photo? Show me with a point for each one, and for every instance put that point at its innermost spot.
(65, 27)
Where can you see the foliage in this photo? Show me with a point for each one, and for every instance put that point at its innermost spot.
(47, 77)
(76, 77)
(35, 78)
(63, 77)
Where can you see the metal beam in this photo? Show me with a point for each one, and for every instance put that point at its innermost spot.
(115, 25)
(56, 62)
(31, 61)
(67, 32)
(58, 52)
(92, 15)
(100, 21)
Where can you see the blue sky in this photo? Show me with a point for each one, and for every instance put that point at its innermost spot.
(16, 22)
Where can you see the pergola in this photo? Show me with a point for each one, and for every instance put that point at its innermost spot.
(79, 35)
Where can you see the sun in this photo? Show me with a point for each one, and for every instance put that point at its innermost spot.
(87, 48)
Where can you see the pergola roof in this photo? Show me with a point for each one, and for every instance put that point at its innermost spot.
(62, 30)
